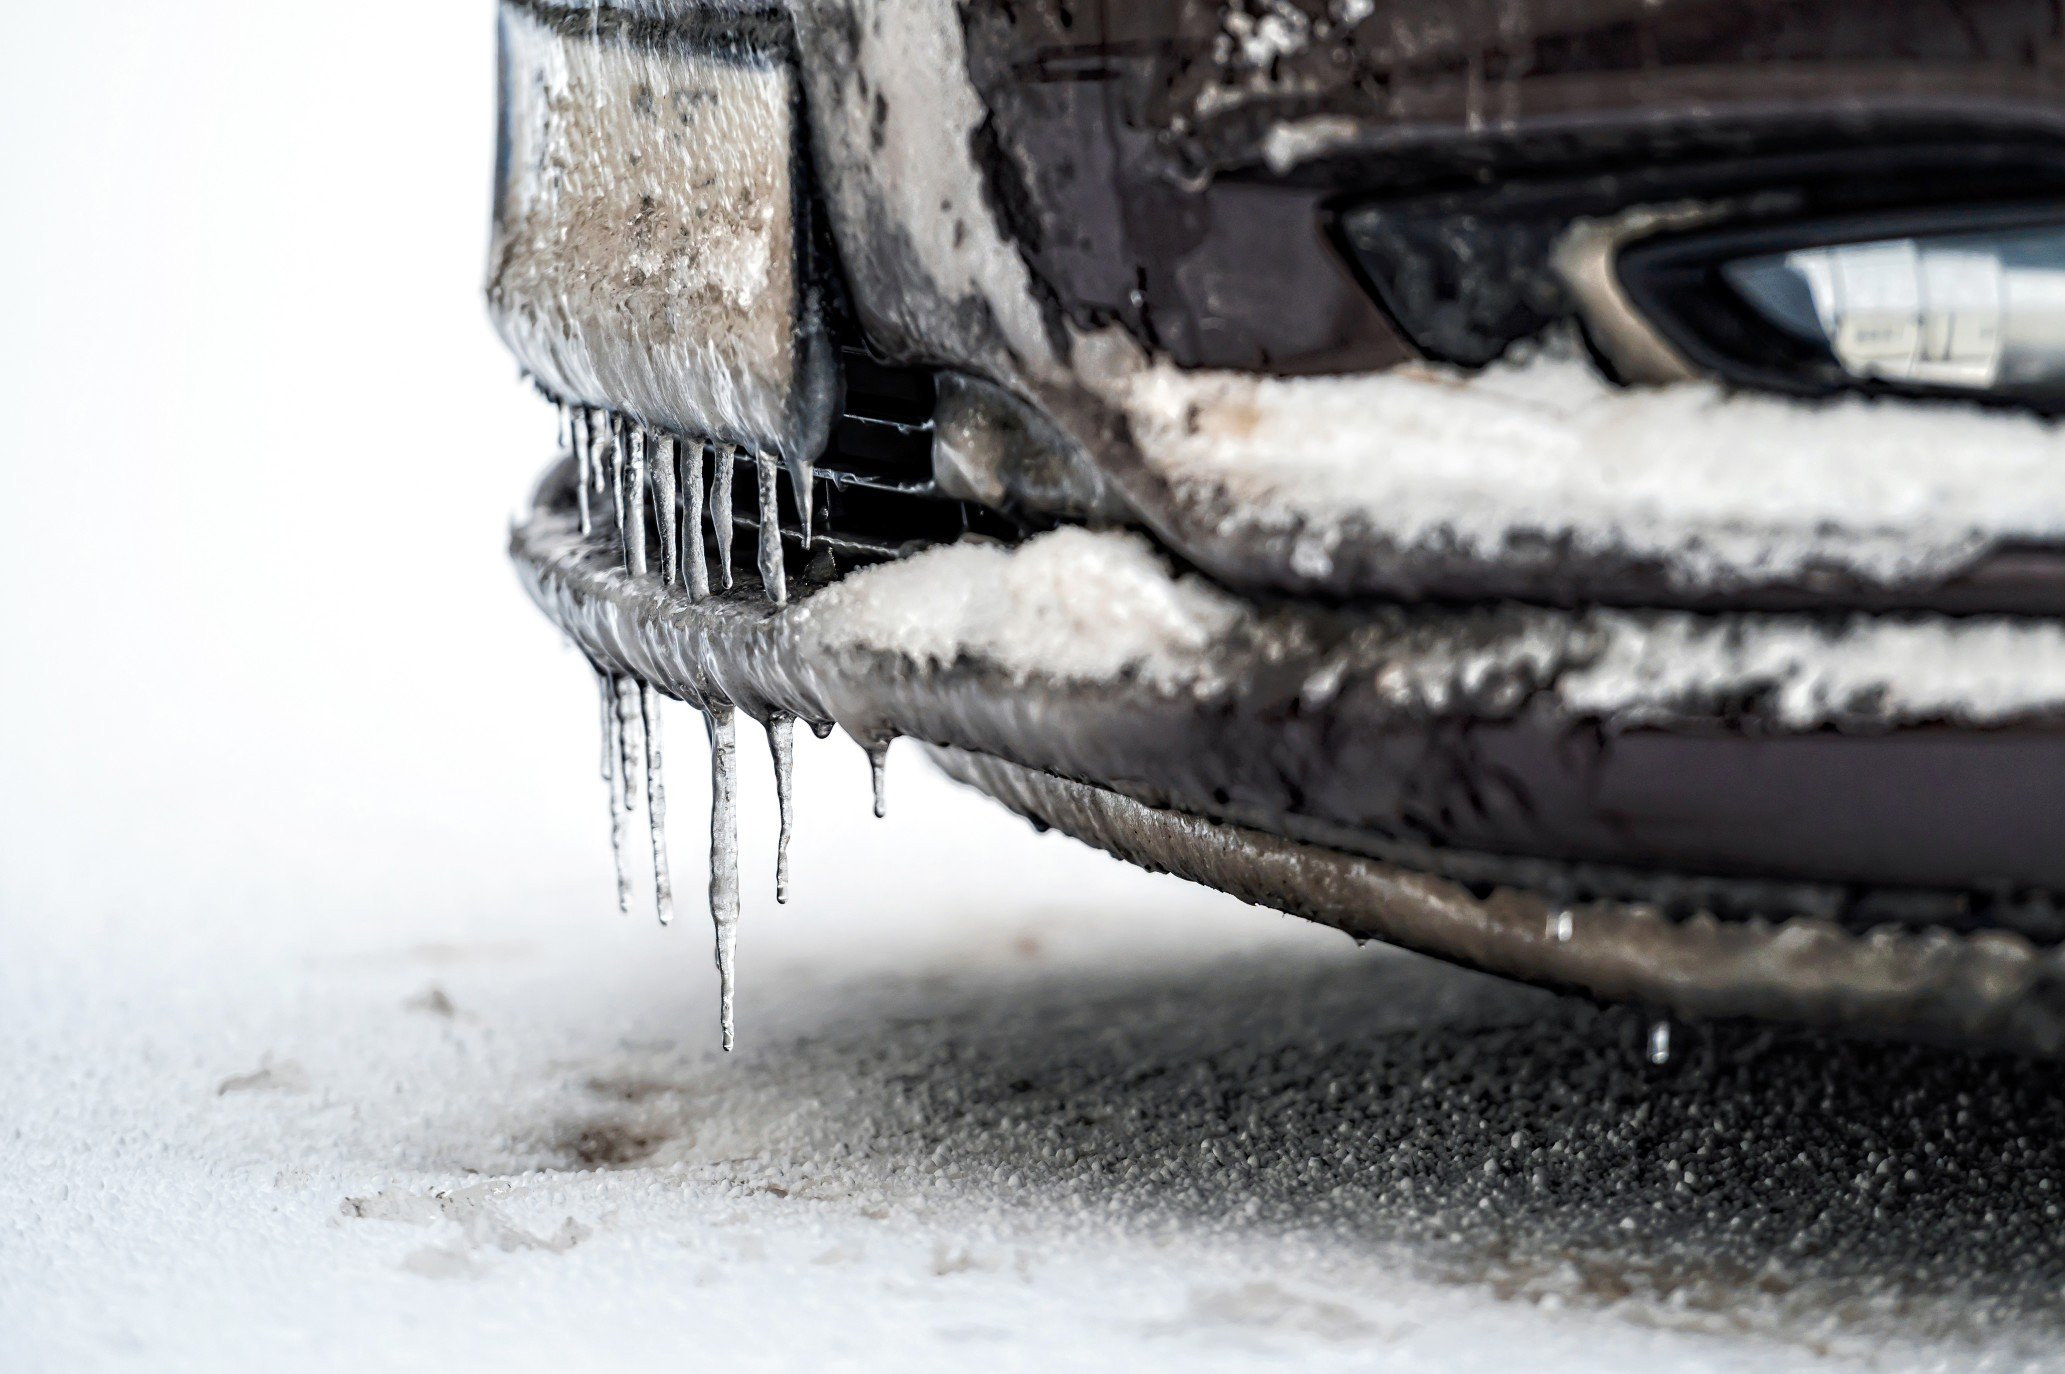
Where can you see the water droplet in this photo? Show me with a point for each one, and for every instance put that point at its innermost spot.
(1660, 1043)
(1562, 927)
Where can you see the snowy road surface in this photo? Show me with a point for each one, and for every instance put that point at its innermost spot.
(999, 1100)
(321, 1045)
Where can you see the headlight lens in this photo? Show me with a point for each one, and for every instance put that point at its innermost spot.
(1981, 312)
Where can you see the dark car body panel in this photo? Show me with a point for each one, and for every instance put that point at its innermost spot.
(1134, 145)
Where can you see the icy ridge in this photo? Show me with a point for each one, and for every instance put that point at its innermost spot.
(1080, 606)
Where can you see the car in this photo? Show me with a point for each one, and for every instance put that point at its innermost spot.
(1572, 487)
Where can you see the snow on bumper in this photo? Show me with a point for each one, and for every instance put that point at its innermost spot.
(1538, 479)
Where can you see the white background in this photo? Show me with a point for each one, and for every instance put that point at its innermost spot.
(321, 1046)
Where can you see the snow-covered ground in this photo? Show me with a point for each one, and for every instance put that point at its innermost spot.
(322, 1046)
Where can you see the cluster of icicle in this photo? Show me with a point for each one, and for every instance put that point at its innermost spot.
(641, 482)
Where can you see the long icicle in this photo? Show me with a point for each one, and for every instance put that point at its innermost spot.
(614, 439)
(720, 508)
(781, 741)
(774, 578)
(724, 854)
(612, 752)
(606, 686)
(660, 454)
(623, 795)
(584, 458)
(564, 436)
(693, 562)
(656, 804)
(635, 561)
(595, 422)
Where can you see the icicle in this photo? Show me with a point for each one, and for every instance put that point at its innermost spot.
(606, 685)
(720, 508)
(584, 458)
(878, 769)
(595, 423)
(724, 853)
(613, 440)
(802, 477)
(612, 752)
(635, 560)
(628, 737)
(774, 578)
(661, 454)
(630, 778)
(781, 740)
(656, 804)
(693, 562)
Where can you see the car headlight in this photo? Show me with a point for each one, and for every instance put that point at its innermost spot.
(1965, 301)
(1971, 312)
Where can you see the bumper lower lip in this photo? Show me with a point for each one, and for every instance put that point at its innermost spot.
(1994, 989)
(1502, 747)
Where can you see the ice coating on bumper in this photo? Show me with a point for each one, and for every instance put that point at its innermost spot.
(1103, 607)
(646, 253)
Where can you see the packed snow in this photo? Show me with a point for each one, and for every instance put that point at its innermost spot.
(1722, 489)
(1071, 605)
